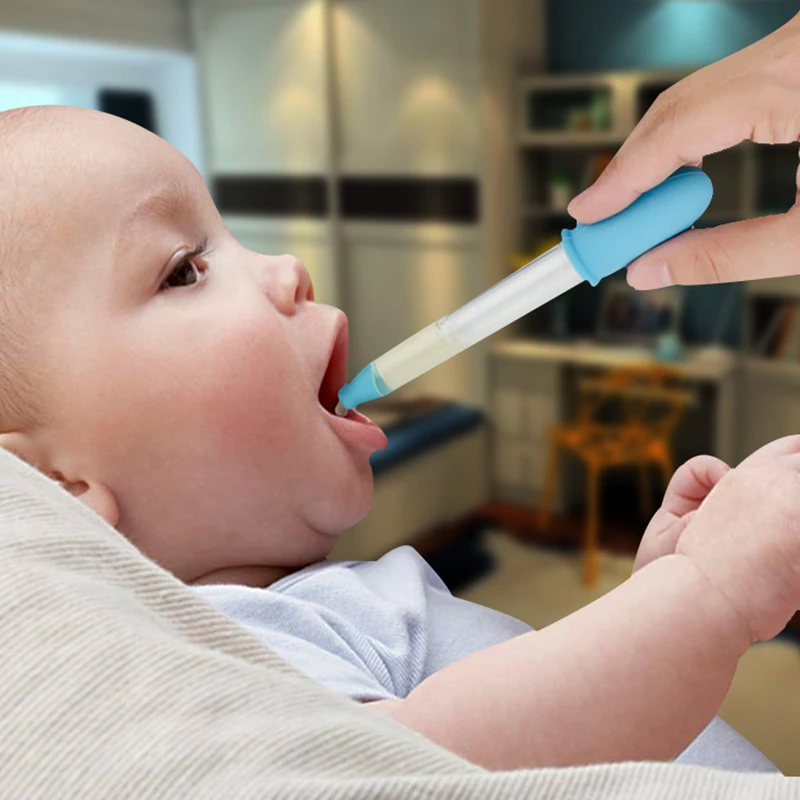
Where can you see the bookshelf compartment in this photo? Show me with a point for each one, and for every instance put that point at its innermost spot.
(776, 181)
(647, 93)
(576, 110)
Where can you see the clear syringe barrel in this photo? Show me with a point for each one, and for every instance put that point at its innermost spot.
(587, 252)
(530, 287)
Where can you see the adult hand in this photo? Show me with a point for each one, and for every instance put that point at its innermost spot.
(753, 94)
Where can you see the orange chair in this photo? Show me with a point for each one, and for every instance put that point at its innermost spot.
(626, 418)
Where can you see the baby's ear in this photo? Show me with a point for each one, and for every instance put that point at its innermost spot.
(94, 494)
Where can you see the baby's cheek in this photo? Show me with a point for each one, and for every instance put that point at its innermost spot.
(250, 391)
(220, 385)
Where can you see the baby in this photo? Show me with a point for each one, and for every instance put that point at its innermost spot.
(183, 388)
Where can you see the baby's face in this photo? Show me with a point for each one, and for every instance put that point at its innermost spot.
(193, 378)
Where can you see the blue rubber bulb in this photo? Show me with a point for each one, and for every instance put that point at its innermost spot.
(602, 248)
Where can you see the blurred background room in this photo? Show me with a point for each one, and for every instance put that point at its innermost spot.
(413, 153)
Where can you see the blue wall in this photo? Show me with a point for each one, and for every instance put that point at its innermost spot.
(587, 35)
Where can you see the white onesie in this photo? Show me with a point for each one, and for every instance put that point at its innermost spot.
(374, 630)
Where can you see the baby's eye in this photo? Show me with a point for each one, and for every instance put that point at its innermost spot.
(187, 273)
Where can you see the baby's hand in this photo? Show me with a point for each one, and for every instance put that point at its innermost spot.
(690, 485)
(745, 537)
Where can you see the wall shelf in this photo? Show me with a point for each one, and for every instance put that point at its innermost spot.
(565, 123)
(786, 287)
(771, 367)
(571, 139)
(720, 217)
(544, 211)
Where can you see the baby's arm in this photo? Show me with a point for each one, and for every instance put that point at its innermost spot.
(635, 675)
(640, 672)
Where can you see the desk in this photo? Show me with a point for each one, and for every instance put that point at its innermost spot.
(531, 389)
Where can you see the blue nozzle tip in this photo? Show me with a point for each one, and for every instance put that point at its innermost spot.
(364, 387)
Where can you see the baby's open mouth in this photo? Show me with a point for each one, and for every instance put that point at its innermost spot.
(355, 430)
(335, 374)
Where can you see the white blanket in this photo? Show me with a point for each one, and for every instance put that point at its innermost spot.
(119, 682)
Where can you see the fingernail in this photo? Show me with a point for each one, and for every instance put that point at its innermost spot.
(577, 201)
(649, 275)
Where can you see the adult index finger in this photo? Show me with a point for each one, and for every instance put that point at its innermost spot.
(677, 130)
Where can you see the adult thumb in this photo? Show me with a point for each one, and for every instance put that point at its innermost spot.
(765, 247)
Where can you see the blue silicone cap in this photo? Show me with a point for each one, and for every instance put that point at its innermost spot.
(601, 248)
(366, 386)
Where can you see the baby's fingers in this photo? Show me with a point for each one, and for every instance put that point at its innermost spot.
(690, 485)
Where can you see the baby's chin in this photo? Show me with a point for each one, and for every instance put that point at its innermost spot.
(351, 501)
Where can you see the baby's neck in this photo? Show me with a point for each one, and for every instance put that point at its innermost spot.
(259, 577)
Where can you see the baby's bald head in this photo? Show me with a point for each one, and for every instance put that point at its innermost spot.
(21, 401)
(64, 174)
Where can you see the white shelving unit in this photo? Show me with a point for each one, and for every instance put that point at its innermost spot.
(563, 122)
(786, 287)
(769, 387)
(576, 139)
(749, 179)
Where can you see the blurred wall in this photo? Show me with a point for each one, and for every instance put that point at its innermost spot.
(45, 70)
(263, 73)
(587, 35)
(66, 51)
(156, 23)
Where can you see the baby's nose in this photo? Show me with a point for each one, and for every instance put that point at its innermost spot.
(287, 283)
